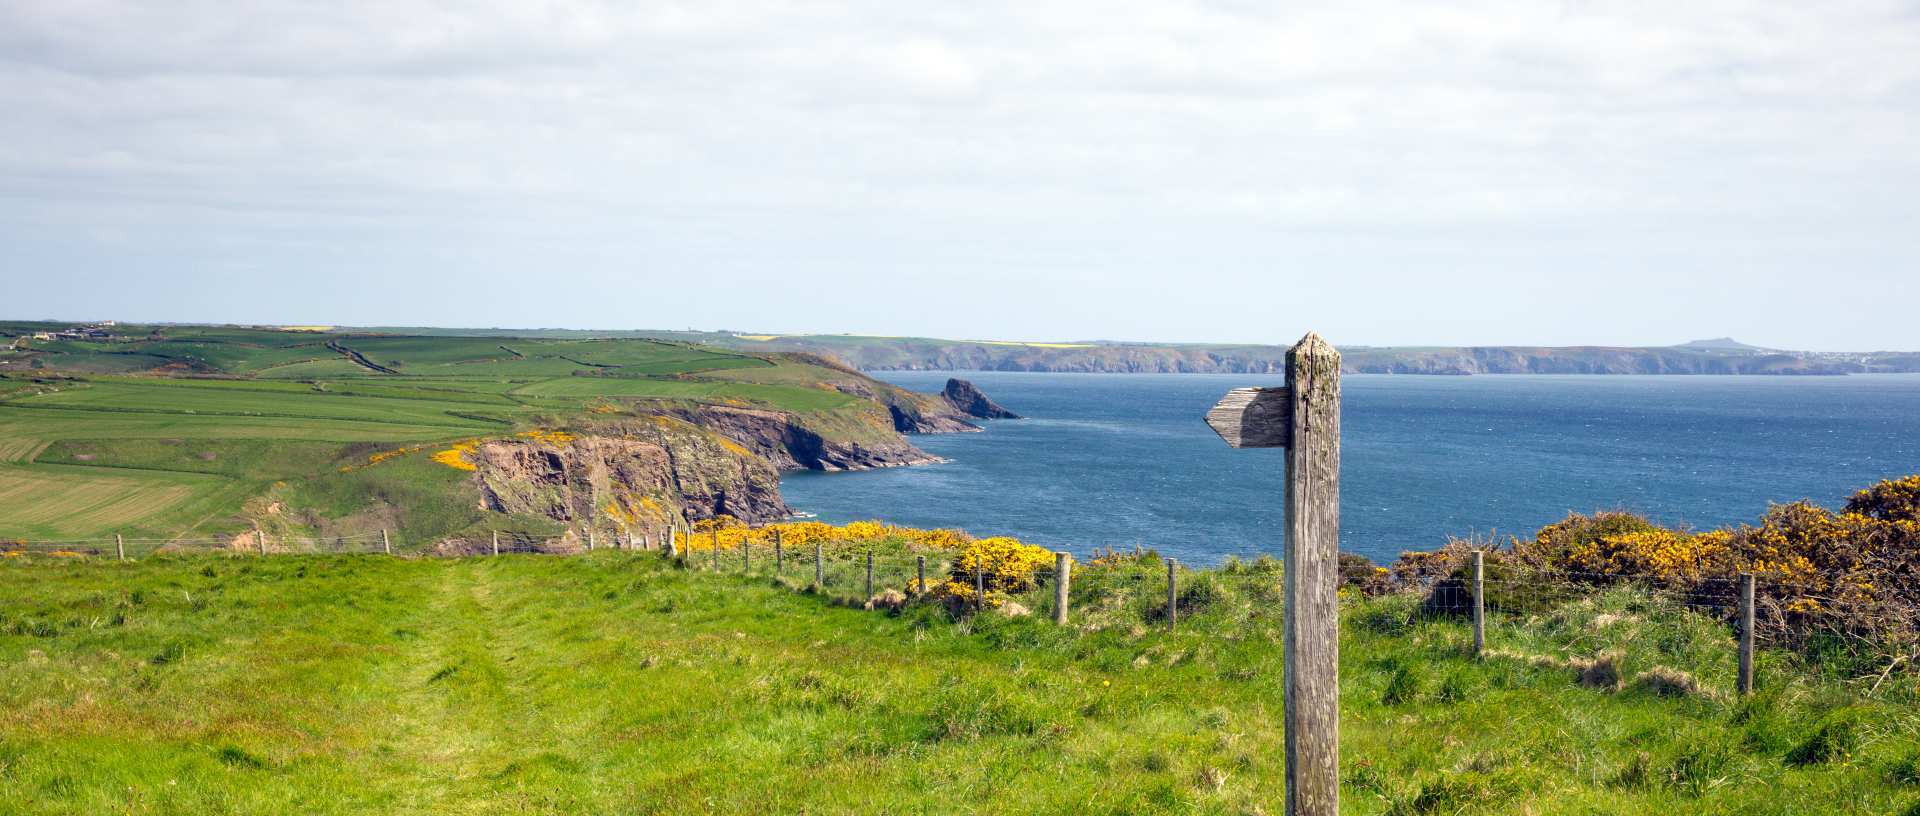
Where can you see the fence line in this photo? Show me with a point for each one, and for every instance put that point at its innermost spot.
(1752, 606)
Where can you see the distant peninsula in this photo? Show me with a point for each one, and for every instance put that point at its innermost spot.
(1723, 356)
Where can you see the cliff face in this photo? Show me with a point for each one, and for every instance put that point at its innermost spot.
(967, 399)
(635, 476)
(911, 413)
(784, 441)
(639, 473)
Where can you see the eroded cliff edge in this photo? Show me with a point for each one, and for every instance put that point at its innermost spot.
(633, 472)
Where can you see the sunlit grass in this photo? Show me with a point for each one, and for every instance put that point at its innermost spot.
(617, 683)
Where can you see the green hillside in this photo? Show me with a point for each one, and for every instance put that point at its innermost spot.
(201, 432)
(621, 683)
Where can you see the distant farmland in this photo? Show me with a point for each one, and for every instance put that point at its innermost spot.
(171, 431)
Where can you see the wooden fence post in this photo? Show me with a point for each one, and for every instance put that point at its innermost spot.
(385, 542)
(120, 544)
(746, 557)
(1173, 596)
(979, 583)
(1304, 418)
(869, 575)
(590, 542)
(819, 568)
(1062, 576)
(260, 538)
(1746, 634)
(920, 567)
(1479, 602)
(496, 542)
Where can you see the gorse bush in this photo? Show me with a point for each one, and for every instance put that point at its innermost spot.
(1893, 500)
(729, 533)
(1844, 582)
(1004, 565)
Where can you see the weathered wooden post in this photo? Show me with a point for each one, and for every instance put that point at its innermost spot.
(1062, 576)
(1173, 595)
(496, 542)
(672, 547)
(1304, 418)
(120, 544)
(386, 544)
(260, 538)
(1746, 634)
(920, 568)
(1479, 602)
(673, 539)
(746, 557)
(869, 575)
(590, 542)
(979, 583)
(819, 568)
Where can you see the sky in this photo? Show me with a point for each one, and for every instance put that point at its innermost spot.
(1383, 173)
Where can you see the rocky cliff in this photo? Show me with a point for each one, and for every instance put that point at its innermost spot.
(967, 399)
(786, 442)
(911, 413)
(637, 473)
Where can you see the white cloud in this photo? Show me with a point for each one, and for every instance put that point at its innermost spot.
(851, 142)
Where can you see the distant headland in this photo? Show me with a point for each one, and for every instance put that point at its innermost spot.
(1721, 355)
(1714, 356)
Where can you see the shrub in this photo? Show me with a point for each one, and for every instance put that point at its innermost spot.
(1009, 565)
(1838, 585)
(1557, 542)
(1891, 500)
(1359, 572)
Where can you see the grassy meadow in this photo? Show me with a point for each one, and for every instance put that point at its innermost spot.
(171, 436)
(620, 682)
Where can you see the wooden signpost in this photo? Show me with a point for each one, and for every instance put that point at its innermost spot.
(1304, 418)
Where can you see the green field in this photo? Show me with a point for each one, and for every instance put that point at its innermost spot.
(618, 683)
(171, 431)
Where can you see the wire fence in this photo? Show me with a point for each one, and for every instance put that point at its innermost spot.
(1801, 616)
(122, 547)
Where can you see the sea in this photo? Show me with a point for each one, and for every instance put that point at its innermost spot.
(1125, 460)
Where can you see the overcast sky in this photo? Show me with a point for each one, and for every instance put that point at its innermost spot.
(1527, 172)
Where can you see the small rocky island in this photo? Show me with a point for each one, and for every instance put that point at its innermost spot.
(967, 399)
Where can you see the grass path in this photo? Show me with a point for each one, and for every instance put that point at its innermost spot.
(612, 683)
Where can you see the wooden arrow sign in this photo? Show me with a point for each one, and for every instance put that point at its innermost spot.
(1254, 418)
(1304, 418)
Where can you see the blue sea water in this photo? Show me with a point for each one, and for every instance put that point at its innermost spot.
(1115, 460)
